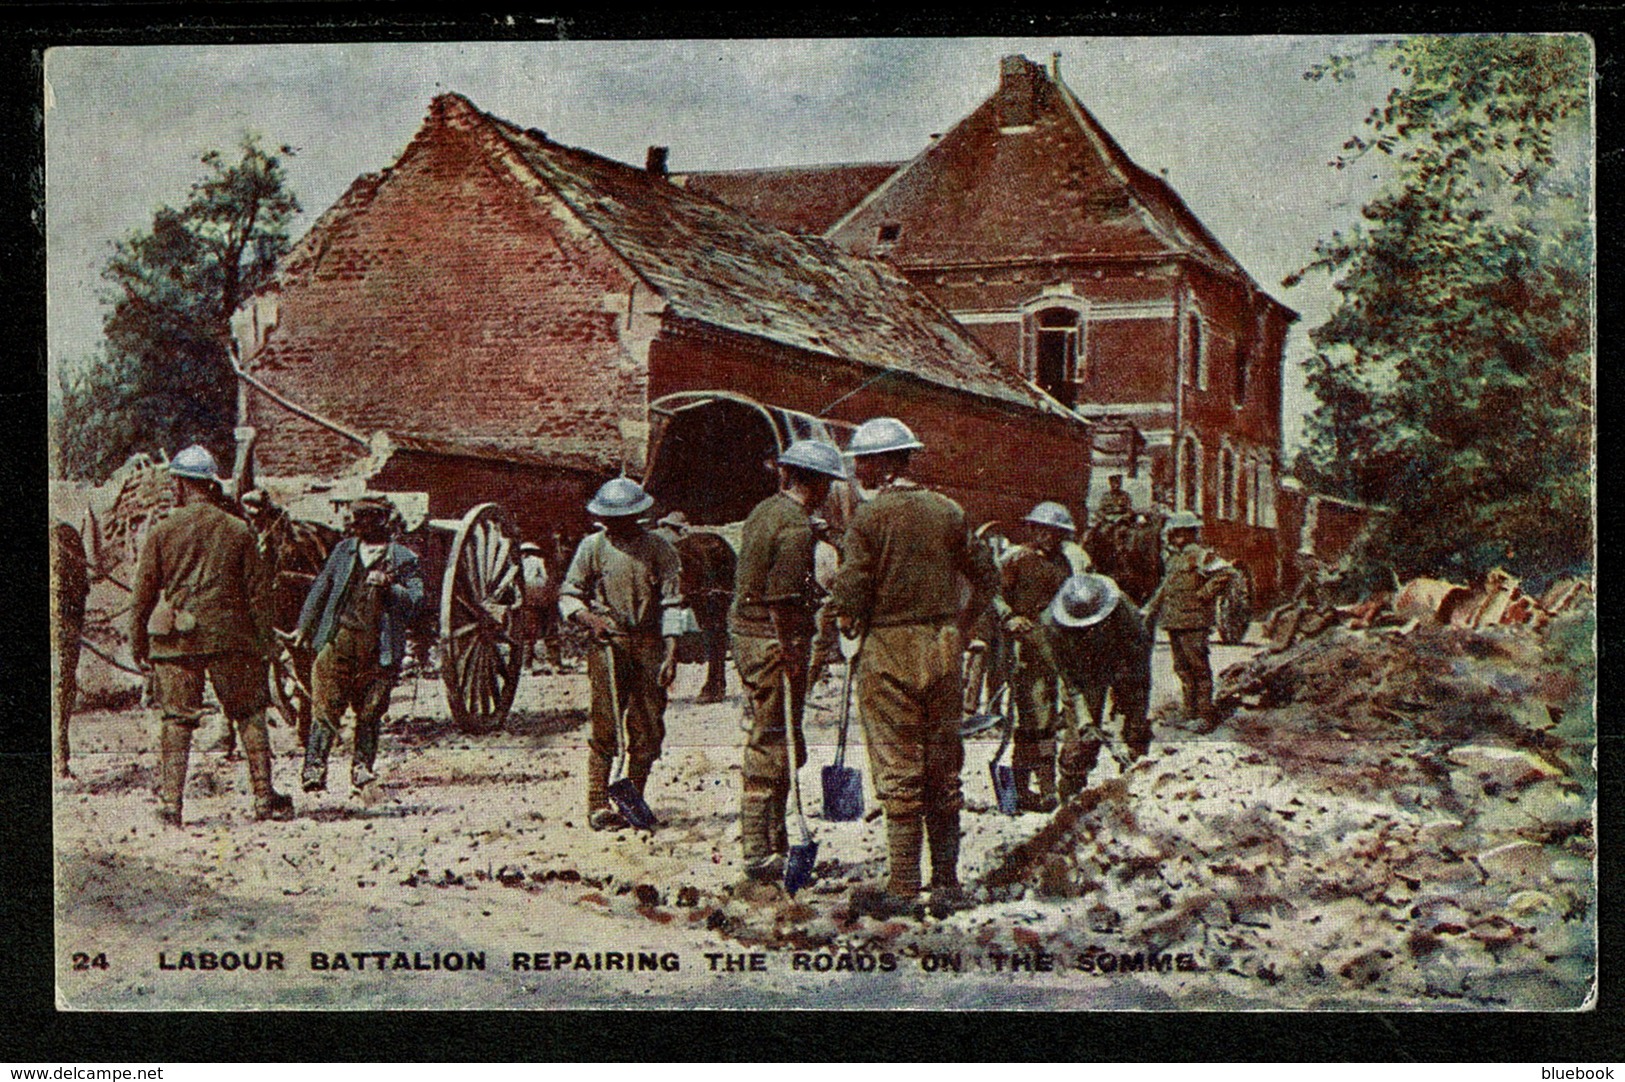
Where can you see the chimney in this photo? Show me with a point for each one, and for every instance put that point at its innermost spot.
(1019, 81)
(656, 161)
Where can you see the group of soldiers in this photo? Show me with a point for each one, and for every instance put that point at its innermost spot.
(916, 591)
(907, 559)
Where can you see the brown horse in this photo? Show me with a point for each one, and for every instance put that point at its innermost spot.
(1129, 551)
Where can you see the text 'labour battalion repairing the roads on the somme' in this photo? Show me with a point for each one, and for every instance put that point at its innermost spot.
(947, 629)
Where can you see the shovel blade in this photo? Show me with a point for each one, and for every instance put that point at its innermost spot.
(798, 866)
(630, 803)
(975, 724)
(1004, 788)
(843, 793)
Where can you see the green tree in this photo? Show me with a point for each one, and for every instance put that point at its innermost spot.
(162, 377)
(1454, 373)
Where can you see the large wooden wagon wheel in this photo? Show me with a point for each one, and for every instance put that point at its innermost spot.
(480, 601)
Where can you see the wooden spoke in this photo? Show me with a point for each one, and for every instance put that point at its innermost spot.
(480, 607)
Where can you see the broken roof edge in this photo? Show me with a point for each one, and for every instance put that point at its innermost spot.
(765, 170)
(1039, 402)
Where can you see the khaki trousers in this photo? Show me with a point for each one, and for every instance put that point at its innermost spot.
(765, 772)
(908, 687)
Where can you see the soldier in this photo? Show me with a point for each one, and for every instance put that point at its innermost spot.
(1097, 642)
(1116, 506)
(897, 588)
(540, 614)
(202, 609)
(772, 621)
(1029, 576)
(1183, 603)
(355, 618)
(624, 586)
(70, 586)
(708, 587)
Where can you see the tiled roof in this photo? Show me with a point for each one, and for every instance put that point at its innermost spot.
(1029, 174)
(712, 264)
(798, 199)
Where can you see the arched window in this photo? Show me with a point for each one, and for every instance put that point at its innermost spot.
(1056, 363)
(1246, 480)
(1194, 351)
(1227, 483)
(1190, 474)
(1266, 493)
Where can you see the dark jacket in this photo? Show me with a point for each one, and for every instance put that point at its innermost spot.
(319, 619)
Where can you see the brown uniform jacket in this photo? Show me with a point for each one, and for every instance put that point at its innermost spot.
(1184, 601)
(1028, 580)
(903, 553)
(775, 568)
(636, 581)
(200, 588)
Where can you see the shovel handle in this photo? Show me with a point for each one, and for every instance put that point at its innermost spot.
(619, 714)
(790, 754)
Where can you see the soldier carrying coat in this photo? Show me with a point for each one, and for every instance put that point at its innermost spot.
(1192, 582)
(355, 618)
(1029, 576)
(898, 590)
(201, 609)
(773, 620)
(624, 586)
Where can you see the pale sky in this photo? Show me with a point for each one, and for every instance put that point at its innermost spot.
(1245, 139)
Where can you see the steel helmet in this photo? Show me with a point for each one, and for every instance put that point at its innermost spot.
(619, 497)
(195, 463)
(1050, 513)
(1182, 520)
(1084, 600)
(879, 435)
(815, 456)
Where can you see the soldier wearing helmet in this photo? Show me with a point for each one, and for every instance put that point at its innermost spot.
(1029, 575)
(1097, 643)
(202, 609)
(898, 588)
(624, 586)
(772, 622)
(1193, 579)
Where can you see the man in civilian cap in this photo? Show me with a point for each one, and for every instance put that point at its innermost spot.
(1193, 579)
(709, 566)
(773, 620)
(1097, 643)
(1029, 576)
(355, 618)
(898, 587)
(624, 586)
(201, 609)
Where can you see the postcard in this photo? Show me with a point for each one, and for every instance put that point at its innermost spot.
(972, 523)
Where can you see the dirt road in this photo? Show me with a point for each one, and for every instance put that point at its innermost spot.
(470, 879)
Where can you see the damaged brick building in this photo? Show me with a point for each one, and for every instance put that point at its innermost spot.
(499, 316)
(1085, 274)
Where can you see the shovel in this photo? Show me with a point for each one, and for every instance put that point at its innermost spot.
(798, 866)
(1003, 775)
(843, 785)
(622, 792)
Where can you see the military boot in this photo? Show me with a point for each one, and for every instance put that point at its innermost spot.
(175, 746)
(1044, 774)
(942, 836)
(600, 816)
(1077, 760)
(317, 747)
(268, 803)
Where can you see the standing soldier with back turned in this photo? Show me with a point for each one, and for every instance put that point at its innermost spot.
(898, 588)
(202, 609)
(773, 620)
(624, 586)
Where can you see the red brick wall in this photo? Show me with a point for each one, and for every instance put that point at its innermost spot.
(997, 462)
(451, 305)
